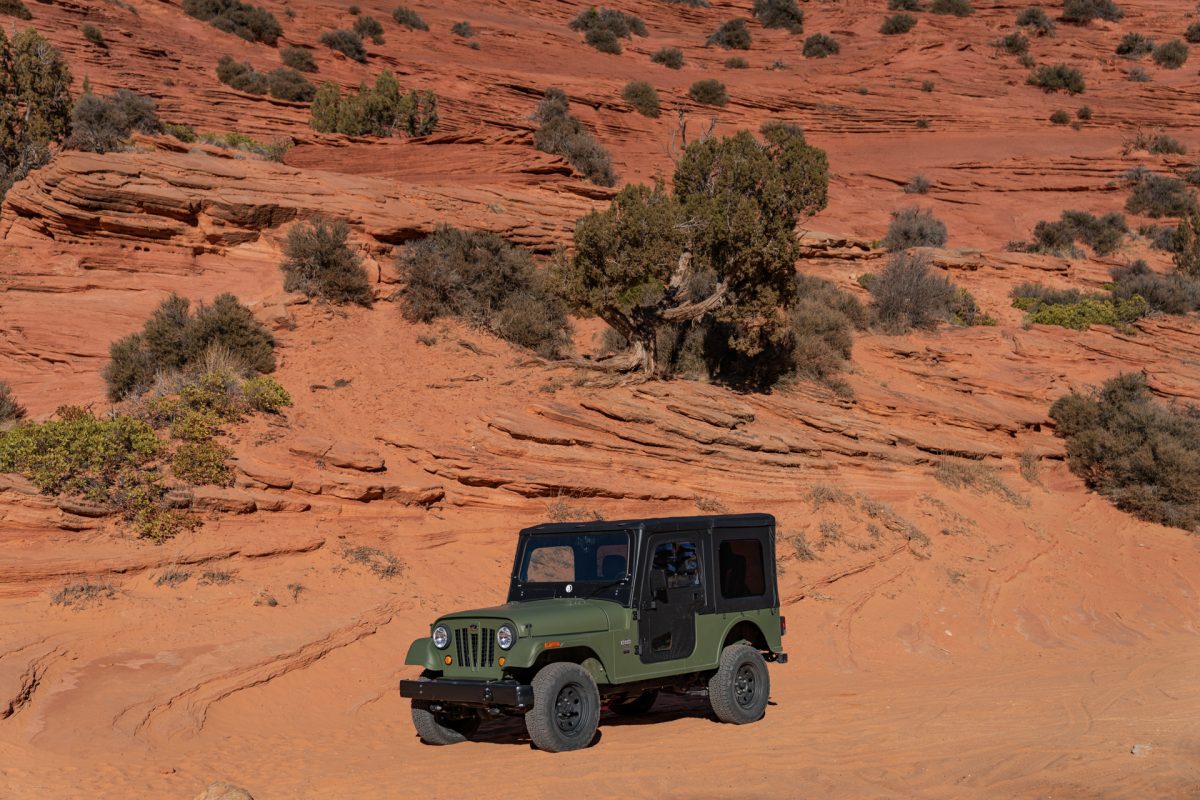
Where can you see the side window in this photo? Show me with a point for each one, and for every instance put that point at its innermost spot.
(677, 564)
(551, 565)
(740, 562)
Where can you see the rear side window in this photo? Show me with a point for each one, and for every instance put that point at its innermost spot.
(740, 563)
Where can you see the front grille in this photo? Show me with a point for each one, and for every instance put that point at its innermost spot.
(476, 648)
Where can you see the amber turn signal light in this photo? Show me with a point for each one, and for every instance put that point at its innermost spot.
(548, 645)
(448, 659)
(502, 661)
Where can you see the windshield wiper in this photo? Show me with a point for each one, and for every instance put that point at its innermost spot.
(608, 585)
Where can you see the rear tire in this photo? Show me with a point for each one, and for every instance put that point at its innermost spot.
(566, 708)
(635, 707)
(440, 728)
(741, 686)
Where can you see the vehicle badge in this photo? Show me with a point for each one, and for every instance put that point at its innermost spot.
(570, 587)
(474, 629)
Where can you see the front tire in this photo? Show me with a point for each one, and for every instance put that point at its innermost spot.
(440, 728)
(566, 708)
(741, 686)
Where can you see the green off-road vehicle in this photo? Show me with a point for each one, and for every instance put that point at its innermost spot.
(609, 613)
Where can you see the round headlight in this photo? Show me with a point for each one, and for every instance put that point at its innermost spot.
(441, 637)
(505, 636)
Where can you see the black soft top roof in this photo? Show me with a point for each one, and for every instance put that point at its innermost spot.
(655, 524)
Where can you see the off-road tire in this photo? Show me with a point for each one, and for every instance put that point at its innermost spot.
(566, 708)
(440, 729)
(635, 707)
(741, 686)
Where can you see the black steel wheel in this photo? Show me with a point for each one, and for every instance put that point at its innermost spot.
(741, 686)
(566, 708)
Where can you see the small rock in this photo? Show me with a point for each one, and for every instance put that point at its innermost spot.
(82, 508)
(351, 456)
(230, 501)
(274, 502)
(266, 474)
(220, 790)
(1141, 749)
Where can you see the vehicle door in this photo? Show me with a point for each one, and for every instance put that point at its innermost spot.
(672, 591)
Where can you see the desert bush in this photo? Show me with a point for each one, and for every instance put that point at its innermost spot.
(1036, 21)
(1174, 293)
(15, 8)
(252, 23)
(182, 132)
(1142, 455)
(202, 464)
(709, 92)
(732, 35)
(1187, 244)
(101, 125)
(820, 46)
(379, 110)
(403, 15)
(1160, 237)
(1060, 117)
(93, 35)
(232, 140)
(1192, 34)
(1134, 45)
(905, 5)
(956, 8)
(1103, 234)
(10, 409)
(1159, 196)
(1171, 55)
(482, 279)
(898, 23)
(642, 97)
(906, 294)
(348, 43)
(1071, 309)
(563, 134)
(914, 227)
(1081, 12)
(960, 473)
(35, 104)
(669, 57)
(319, 262)
(603, 28)
(779, 14)
(736, 62)
(241, 76)
(298, 58)
(288, 84)
(1084, 113)
(927, 86)
(462, 29)
(368, 27)
(1057, 78)
(917, 184)
(1157, 143)
(175, 340)
(265, 394)
(1137, 75)
(1015, 44)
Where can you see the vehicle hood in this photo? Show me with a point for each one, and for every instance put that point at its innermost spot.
(550, 617)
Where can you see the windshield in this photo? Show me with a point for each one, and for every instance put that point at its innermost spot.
(573, 565)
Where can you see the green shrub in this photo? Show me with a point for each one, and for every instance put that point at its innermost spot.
(1159, 196)
(252, 23)
(1057, 78)
(30, 121)
(174, 339)
(1081, 12)
(101, 125)
(10, 409)
(354, 11)
(897, 24)
(918, 184)
(93, 35)
(642, 97)
(348, 43)
(905, 294)
(271, 151)
(288, 84)
(1192, 34)
(1160, 237)
(709, 92)
(462, 29)
(560, 133)
(1071, 309)
(1060, 117)
(732, 35)
(905, 5)
(927, 86)
(603, 28)
(1083, 113)
(956, 8)
(368, 27)
(820, 46)
(485, 281)
(1157, 143)
(1015, 44)
(14, 8)
(202, 463)
(914, 227)
(1134, 45)
(1174, 293)
(381, 110)
(265, 394)
(1103, 234)
(182, 132)
(241, 76)
(1187, 244)
(1036, 20)
(298, 58)
(319, 262)
(736, 62)
(669, 57)
(403, 15)
(1143, 456)
(779, 14)
(1171, 55)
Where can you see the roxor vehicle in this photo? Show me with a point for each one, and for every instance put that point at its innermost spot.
(609, 613)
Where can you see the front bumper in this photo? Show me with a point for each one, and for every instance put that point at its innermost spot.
(470, 693)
